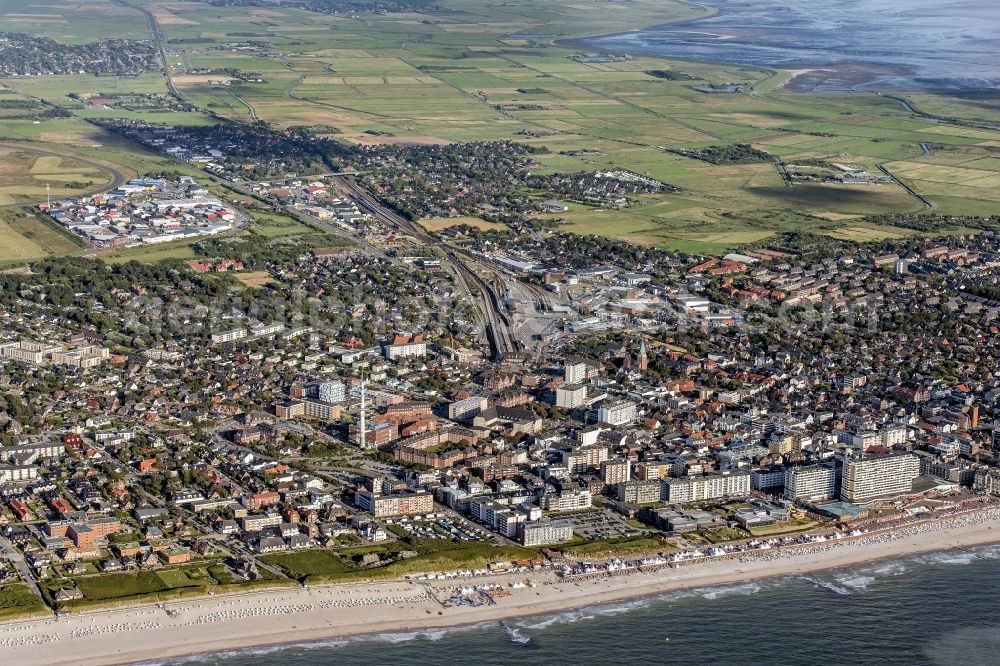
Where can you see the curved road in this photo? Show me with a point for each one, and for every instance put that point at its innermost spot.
(117, 176)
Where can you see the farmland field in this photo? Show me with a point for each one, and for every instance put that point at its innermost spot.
(24, 237)
(437, 224)
(469, 71)
(27, 176)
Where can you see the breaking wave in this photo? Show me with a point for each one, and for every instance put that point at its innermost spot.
(321, 644)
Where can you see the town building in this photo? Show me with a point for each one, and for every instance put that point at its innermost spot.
(582, 458)
(811, 483)
(700, 488)
(878, 476)
(406, 503)
(618, 413)
(571, 396)
(464, 410)
(545, 532)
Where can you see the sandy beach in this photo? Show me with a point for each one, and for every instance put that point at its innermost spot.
(215, 624)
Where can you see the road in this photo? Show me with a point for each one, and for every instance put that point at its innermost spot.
(22, 567)
(927, 204)
(252, 111)
(161, 42)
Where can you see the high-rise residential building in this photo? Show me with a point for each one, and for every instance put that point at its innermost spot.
(614, 472)
(811, 482)
(767, 478)
(407, 503)
(873, 477)
(618, 413)
(545, 532)
(332, 391)
(567, 500)
(578, 371)
(575, 372)
(713, 486)
(570, 396)
(640, 492)
(652, 471)
(582, 458)
(464, 410)
(317, 409)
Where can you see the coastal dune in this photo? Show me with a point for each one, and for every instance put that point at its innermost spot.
(221, 623)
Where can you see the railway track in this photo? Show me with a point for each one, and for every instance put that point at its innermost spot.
(496, 324)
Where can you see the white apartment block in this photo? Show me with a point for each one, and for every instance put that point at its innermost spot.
(575, 372)
(545, 532)
(86, 357)
(496, 515)
(228, 336)
(618, 413)
(405, 350)
(257, 522)
(265, 330)
(469, 408)
(700, 488)
(653, 471)
(614, 472)
(38, 353)
(324, 411)
(581, 459)
(570, 396)
(893, 434)
(28, 352)
(762, 479)
(867, 479)
(334, 391)
(811, 482)
(640, 492)
(396, 504)
(571, 500)
(11, 473)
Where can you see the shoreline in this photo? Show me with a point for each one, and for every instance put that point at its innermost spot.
(269, 619)
(843, 77)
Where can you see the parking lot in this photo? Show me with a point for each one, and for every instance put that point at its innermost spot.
(432, 526)
(592, 525)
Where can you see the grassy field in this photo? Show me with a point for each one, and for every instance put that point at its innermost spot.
(27, 176)
(623, 546)
(276, 225)
(24, 237)
(255, 278)
(475, 71)
(17, 600)
(150, 253)
(119, 586)
(440, 223)
(152, 586)
(791, 527)
(316, 566)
